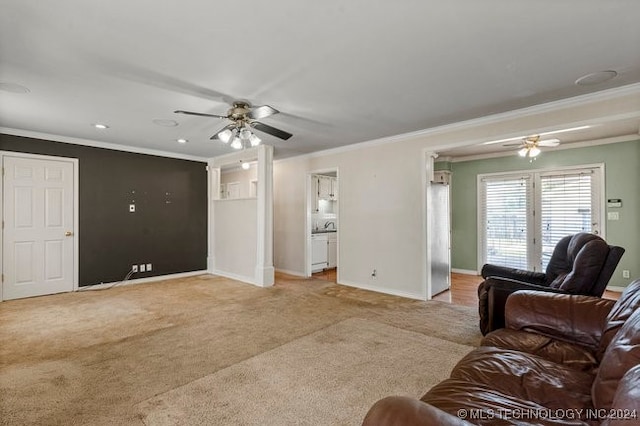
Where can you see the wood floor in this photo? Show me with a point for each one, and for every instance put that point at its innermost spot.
(464, 288)
(464, 291)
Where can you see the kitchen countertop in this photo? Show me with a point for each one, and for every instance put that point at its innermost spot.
(324, 231)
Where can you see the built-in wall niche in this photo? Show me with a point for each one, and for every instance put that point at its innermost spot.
(238, 180)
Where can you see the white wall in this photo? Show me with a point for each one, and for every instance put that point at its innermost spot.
(241, 230)
(382, 211)
(234, 245)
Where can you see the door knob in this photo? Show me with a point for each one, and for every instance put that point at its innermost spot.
(68, 234)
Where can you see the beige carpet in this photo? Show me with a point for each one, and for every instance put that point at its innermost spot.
(330, 377)
(90, 358)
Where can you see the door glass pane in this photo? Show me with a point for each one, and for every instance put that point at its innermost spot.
(506, 222)
(565, 209)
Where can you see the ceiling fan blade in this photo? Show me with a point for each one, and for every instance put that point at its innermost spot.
(549, 142)
(199, 114)
(271, 130)
(262, 112)
(227, 127)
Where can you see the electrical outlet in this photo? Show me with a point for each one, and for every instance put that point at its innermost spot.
(134, 268)
(625, 273)
(142, 268)
(148, 267)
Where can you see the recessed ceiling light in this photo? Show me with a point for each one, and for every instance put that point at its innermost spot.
(164, 122)
(14, 88)
(100, 126)
(181, 140)
(596, 78)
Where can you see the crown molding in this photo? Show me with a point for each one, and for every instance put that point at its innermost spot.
(604, 95)
(98, 144)
(561, 147)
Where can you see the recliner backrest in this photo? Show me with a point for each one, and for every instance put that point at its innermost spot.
(577, 264)
(559, 262)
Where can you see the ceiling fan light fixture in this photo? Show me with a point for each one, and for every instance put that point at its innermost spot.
(245, 134)
(236, 143)
(523, 152)
(225, 135)
(254, 140)
(534, 151)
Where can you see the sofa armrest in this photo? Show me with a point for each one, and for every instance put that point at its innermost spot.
(532, 277)
(573, 318)
(403, 411)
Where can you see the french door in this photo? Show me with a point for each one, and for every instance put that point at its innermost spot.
(523, 215)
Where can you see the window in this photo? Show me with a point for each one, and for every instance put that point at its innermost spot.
(524, 215)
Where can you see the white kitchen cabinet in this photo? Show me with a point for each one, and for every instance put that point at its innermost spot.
(334, 188)
(319, 243)
(324, 187)
(332, 250)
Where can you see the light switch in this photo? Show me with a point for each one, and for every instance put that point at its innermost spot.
(613, 216)
(132, 208)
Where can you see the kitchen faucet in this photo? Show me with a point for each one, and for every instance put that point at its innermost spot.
(326, 225)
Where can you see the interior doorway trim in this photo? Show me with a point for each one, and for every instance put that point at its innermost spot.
(76, 187)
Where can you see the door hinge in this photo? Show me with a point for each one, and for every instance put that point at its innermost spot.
(2, 277)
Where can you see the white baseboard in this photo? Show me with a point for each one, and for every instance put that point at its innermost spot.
(242, 278)
(464, 271)
(390, 291)
(141, 280)
(289, 272)
(615, 288)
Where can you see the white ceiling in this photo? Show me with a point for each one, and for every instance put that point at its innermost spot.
(340, 72)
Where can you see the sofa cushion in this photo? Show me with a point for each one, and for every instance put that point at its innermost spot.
(626, 403)
(625, 306)
(575, 356)
(622, 354)
(526, 377)
(481, 404)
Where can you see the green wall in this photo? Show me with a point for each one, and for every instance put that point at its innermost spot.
(622, 180)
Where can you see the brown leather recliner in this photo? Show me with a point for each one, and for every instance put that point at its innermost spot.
(562, 359)
(580, 264)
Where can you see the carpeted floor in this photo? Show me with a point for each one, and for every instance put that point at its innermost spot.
(90, 358)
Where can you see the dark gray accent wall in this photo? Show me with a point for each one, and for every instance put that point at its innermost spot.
(168, 228)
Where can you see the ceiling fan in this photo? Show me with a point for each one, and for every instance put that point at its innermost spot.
(529, 146)
(243, 118)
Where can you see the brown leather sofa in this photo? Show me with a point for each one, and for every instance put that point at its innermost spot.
(561, 360)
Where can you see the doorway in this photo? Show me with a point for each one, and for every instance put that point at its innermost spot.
(39, 233)
(322, 225)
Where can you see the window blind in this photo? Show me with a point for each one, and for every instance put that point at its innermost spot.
(507, 202)
(565, 208)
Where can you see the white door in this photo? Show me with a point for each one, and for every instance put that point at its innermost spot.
(38, 224)
(233, 190)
